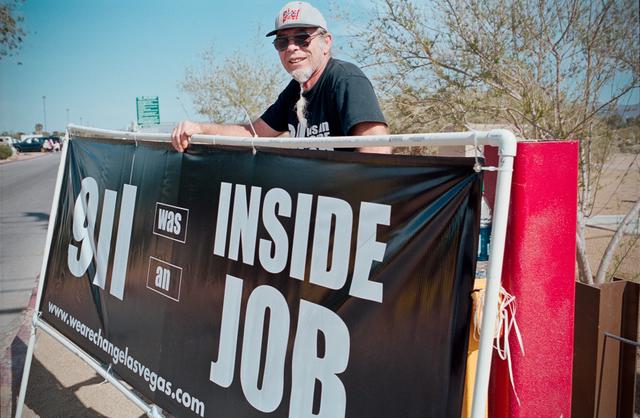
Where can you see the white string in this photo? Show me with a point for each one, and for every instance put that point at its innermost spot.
(477, 167)
(506, 323)
(255, 135)
(492, 168)
(34, 324)
(108, 371)
(35, 318)
(133, 159)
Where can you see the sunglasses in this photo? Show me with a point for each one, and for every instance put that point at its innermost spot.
(301, 39)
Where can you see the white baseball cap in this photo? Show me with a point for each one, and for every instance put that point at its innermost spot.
(298, 14)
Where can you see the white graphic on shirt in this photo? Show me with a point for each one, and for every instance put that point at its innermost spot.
(314, 130)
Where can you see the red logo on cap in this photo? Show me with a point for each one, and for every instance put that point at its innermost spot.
(290, 14)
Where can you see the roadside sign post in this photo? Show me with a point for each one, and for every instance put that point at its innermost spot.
(148, 110)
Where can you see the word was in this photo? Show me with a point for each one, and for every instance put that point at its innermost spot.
(171, 222)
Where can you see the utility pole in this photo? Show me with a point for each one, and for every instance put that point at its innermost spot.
(44, 111)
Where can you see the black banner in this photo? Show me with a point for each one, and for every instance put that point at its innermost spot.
(230, 283)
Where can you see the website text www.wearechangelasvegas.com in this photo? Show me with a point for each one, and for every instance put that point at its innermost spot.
(118, 355)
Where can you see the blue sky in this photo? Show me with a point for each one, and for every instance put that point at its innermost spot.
(94, 57)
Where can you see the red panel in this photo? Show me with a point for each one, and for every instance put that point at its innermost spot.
(539, 269)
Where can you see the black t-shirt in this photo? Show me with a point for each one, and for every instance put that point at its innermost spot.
(341, 98)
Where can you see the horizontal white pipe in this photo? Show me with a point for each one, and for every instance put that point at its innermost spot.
(501, 138)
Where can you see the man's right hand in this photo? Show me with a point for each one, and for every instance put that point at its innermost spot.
(182, 134)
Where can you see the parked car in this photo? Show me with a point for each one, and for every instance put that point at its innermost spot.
(29, 145)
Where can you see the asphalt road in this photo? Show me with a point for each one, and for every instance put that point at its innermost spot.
(60, 384)
(26, 193)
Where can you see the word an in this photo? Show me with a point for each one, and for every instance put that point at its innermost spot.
(169, 221)
(163, 277)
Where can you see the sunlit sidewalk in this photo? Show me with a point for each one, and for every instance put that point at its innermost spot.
(60, 384)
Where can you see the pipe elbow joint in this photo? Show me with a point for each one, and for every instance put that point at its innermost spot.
(507, 142)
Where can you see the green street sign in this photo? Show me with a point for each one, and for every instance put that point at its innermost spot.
(148, 110)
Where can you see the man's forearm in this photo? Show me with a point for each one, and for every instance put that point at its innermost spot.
(225, 130)
(372, 128)
(182, 133)
(376, 150)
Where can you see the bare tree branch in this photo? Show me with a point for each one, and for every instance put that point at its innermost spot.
(550, 68)
(613, 244)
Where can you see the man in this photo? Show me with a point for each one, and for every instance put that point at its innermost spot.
(327, 97)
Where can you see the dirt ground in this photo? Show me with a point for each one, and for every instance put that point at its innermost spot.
(618, 190)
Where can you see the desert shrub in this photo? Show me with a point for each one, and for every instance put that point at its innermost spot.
(5, 151)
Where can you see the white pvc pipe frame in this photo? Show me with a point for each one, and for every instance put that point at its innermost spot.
(503, 139)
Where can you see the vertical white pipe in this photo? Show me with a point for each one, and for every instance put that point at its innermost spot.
(26, 370)
(53, 213)
(494, 276)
